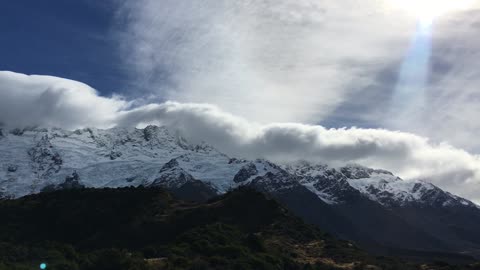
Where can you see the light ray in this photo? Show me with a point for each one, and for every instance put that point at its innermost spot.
(409, 94)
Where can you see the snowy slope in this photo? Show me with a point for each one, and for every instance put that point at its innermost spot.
(35, 159)
(336, 185)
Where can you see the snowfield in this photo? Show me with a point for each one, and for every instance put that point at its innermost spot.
(32, 160)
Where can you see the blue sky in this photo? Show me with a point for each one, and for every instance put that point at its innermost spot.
(319, 63)
(70, 39)
(259, 78)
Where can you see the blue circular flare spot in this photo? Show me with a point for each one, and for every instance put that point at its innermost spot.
(43, 266)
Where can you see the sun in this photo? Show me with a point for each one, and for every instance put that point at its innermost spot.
(430, 9)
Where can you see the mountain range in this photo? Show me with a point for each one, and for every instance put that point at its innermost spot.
(376, 209)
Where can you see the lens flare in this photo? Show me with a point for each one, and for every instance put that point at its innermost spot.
(409, 96)
(429, 9)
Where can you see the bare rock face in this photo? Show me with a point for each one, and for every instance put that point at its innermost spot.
(360, 172)
(276, 182)
(245, 173)
(114, 155)
(334, 183)
(149, 132)
(71, 182)
(171, 175)
(368, 199)
(170, 165)
(17, 132)
(45, 160)
(12, 168)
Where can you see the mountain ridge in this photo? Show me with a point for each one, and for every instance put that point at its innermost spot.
(132, 145)
(147, 228)
(355, 200)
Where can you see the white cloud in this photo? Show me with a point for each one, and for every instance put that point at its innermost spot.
(51, 101)
(306, 61)
(451, 108)
(406, 154)
(274, 60)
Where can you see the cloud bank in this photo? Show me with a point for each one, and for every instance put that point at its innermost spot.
(51, 101)
(331, 62)
(300, 59)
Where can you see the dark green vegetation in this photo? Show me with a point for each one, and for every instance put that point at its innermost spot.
(140, 228)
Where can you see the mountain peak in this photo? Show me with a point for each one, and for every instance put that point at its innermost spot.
(171, 175)
(36, 159)
(128, 156)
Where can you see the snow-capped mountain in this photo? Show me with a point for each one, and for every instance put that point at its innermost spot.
(335, 185)
(352, 201)
(32, 159)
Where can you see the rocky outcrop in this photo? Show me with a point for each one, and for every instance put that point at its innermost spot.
(12, 168)
(17, 132)
(71, 182)
(275, 182)
(171, 175)
(114, 155)
(245, 173)
(46, 161)
(359, 172)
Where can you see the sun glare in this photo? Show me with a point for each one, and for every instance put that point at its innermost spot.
(430, 9)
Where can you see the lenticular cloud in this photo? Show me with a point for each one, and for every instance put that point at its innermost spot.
(55, 102)
(52, 101)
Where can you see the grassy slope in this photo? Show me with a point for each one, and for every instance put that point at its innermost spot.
(137, 228)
